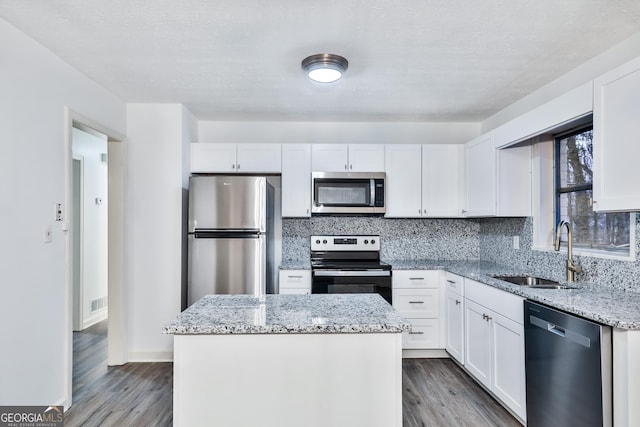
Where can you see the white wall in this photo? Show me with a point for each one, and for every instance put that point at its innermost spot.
(35, 87)
(611, 58)
(95, 223)
(339, 132)
(153, 209)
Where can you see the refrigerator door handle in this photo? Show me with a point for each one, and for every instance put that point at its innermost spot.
(227, 235)
(227, 230)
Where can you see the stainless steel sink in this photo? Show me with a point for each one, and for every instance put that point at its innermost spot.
(533, 282)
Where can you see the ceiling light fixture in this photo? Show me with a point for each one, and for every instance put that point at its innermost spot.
(325, 67)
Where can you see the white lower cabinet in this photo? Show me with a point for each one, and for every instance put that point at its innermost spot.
(454, 293)
(418, 297)
(494, 343)
(295, 282)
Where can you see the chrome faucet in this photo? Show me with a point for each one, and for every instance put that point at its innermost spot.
(572, 267)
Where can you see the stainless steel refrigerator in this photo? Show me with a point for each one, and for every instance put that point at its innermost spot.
(230, 236)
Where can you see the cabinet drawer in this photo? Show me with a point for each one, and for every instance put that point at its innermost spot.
(417, 303)
(454, 283)
(502, 302)
(412, 279)
(295, 279)
(424, 334)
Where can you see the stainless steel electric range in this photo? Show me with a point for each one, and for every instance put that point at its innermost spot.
(349, 265)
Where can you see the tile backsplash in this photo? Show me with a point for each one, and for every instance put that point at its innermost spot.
(489, 239)
(496, 245)
(452, 239)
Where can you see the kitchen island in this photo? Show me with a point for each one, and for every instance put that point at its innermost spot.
(288, 360)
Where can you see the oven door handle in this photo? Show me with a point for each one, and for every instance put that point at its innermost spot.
(343, 273)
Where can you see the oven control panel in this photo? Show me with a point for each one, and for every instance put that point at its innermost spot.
(345, 243)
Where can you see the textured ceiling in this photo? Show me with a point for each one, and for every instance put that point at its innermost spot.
(429, 60)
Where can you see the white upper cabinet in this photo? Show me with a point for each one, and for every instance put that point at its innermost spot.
(259, 158)
(296, 180)
(442, 180)
(616, 126)
(498, 181)
(515, 181)
(207, 157)
(249, 158)
(348, 158)
(403, 180)
(480, 160)
(423, 180)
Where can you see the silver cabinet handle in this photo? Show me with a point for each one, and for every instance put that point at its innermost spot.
(350, 166)
(294, 277)
(238, 166)
(457, 302)
(345, 167)
(453, 282)
(416, 302)
(486, 317)
(233, 166)
(307, 211)
(416, 333)
(416, 278)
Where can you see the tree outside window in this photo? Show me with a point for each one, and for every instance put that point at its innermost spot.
(574, 203)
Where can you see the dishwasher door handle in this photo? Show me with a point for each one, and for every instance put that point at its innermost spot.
(560, 331)
(555, 329)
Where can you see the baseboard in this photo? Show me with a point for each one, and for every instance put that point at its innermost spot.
(425, 354)
(152, 356)
(97, 317)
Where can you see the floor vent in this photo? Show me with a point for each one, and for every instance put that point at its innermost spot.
(98, 303)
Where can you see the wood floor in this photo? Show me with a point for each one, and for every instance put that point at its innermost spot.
(436, 392)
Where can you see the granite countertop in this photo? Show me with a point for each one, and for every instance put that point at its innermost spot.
(288, 314)
(602, 304)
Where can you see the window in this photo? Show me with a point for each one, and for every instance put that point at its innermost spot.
(604, 232)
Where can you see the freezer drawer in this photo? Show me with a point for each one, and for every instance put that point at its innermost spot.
(226, 265)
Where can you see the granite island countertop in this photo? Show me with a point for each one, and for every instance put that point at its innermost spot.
(602, 304)
(288, 314)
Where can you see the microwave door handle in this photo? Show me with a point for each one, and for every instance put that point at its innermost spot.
(372, 192)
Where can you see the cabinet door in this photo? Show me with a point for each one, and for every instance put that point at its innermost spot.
(480, 160)
(478, 342)
(329, 158)
(514, 181)
(455, 325)
(213, 157)
(508, 380)
(441, 180)
(366, 158)
(296, 180)
(403, 182)
(616, 109)
(262, 158)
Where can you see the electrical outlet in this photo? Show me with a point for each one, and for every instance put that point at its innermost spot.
(516, 242)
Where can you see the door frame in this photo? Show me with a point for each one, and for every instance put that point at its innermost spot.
(116, 337)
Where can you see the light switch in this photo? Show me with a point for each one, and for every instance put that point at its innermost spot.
(48, 233)
(516, 242)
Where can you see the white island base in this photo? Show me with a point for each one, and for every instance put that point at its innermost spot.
(288, 380)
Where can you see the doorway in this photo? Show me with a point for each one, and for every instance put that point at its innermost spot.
(90, 227)
(94, 243)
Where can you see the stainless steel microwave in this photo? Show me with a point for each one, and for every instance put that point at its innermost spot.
(348, 193)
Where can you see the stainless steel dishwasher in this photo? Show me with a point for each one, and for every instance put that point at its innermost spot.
(568, 369)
